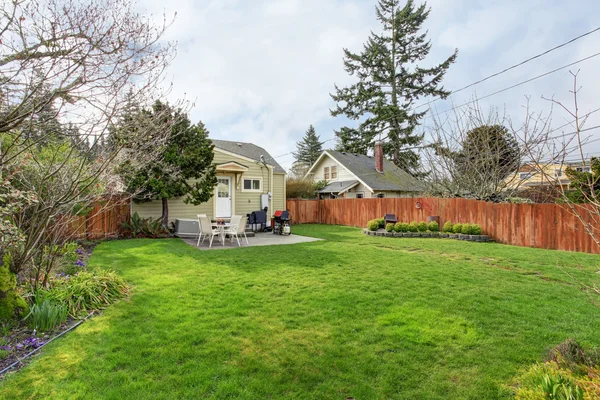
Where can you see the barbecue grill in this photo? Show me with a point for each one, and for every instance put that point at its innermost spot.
(281, 222)
(258, 221)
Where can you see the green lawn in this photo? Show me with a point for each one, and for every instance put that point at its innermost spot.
(354, 315)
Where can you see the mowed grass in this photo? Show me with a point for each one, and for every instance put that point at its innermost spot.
(350, 316)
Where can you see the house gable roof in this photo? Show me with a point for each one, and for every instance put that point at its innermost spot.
(363, 168)
(248, 150)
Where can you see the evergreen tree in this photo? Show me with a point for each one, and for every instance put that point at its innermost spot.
(185, 166)
(309, 148)
(390, 79)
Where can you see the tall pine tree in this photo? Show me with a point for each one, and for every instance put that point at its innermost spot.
(309, 148)
(390, 79)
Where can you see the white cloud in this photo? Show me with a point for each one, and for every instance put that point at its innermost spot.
(262, 71)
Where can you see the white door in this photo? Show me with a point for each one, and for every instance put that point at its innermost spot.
(223, 197)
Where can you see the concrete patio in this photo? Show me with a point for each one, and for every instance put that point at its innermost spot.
(256, 239)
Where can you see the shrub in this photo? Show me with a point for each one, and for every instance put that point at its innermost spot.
(447, 227)
(434, 226)
(476, 230)
(389, 227)
(143, 227)
(45, 315)
(87, 291)
(373, 225)
(11, 303)
(466, 229)
(299, 188)
(457, 228)
(401, 227)
(413, 227)
(422, 226)
(381, 222)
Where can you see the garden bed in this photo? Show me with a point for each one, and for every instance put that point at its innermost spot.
(20, 343)
(437, 235)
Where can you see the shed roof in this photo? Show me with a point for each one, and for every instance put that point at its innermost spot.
(248, 150)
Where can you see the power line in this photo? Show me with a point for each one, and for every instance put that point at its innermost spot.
(513, 66)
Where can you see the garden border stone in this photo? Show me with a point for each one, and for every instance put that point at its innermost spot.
(439, 235)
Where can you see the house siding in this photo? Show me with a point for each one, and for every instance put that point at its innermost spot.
(326, 161)
(243, 202)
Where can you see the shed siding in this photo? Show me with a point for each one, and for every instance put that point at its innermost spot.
(243, 202)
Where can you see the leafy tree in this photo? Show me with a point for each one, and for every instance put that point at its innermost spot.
(585, 186)
(489, 154)
(309, 148)
(390, 79)
(184, 168)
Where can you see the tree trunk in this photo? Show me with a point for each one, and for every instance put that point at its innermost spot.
(165, 212)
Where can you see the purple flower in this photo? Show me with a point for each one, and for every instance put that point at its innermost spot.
(5, 348)
(79, 251)
(80, 263)
(32, 342)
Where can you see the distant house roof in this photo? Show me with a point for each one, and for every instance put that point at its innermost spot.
(338, 187)
(248, 150)
(363, 167)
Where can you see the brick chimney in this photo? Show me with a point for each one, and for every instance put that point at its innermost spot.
(379, 156)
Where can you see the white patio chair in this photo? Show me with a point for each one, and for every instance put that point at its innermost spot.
(208, 230)
(238, 229)
(200, 235)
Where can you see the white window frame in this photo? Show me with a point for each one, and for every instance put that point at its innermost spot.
(361, 194)
(252, 178)
(380, 195)
(331, 172)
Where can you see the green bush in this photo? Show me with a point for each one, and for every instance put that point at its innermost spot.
(413, 227)
(434, 226)
(87, 291)
(45, 315)
(373, 225)
(401, 227)
(389, 227)
(457, 228)
(12, 304)
(466, 229)
(476, 230)
(422, 226)
(381, 222)
(143, 227)
(447, 227)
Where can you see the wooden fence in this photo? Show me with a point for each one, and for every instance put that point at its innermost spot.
(101, 222)
(547, 226)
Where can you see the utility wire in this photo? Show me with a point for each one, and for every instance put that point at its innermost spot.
(513, 66)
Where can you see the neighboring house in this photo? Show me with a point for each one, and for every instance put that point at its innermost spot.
(530, 175)
(351, 175)
(248, 179)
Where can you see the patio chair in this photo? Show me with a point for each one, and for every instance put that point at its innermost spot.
(238, 229)
(207, 230)
(200, 235)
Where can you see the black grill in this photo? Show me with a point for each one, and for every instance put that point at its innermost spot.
(281, 222)
(258, 220)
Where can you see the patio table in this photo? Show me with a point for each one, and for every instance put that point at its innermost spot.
(221, 228)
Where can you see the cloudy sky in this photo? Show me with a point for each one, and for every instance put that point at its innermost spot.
(261, 71)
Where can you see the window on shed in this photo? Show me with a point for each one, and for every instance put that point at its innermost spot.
(380, 195)
(252, 184)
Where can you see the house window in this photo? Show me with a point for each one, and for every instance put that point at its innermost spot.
(557, 173)
(326, 173)
(334, 172)
(583, 169)
(380, 195)
(360, 195)
(525, 175)
(253, 184)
